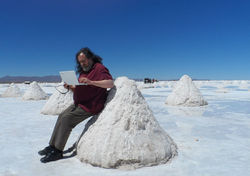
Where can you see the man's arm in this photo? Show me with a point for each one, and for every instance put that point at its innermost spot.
(103, 83)
(70, 87)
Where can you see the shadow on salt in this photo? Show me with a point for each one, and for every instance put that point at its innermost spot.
(186, 111)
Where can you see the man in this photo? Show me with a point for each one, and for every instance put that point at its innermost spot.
(88, 100)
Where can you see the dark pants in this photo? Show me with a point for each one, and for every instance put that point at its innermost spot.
(66, 121)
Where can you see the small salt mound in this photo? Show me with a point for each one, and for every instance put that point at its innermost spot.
(222, 90)
(244, 86)
(125, 134)
(185, 93)
(58, 101)
(34, 92)
(12, 91)
(142, 85)
(163, 84)
(171, 84)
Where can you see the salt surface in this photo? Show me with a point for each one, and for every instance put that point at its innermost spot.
(186, 111)
(34, 92)
(126, 133)
(215, 144)
(12, 91)
(185, 93)
(58, 101)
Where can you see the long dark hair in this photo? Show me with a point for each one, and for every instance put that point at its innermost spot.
(90, 55)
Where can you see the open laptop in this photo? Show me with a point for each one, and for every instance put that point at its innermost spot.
(70, 78)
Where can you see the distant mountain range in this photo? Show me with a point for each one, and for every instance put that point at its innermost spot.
(52, 78)
(21, 79)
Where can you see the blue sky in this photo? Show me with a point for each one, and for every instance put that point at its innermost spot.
(162, 39)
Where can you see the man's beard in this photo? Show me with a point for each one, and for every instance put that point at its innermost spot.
(86, 69)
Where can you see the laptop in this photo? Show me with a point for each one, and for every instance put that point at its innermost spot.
(69, 77)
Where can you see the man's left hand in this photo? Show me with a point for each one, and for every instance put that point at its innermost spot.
(85, 80)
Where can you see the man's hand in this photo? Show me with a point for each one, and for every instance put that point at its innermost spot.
(102, 83)
(66, 86)
(69, 87)
(85, 80)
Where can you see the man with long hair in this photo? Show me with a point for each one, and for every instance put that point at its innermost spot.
(88, 100)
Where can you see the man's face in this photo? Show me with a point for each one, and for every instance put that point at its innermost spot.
(85, 63)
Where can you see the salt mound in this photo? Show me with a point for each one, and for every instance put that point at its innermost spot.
(222, 90)
(172, 84)
(34, 92)
(12, 91)
(58, 102)
(185, 93)
(244, 86)
(126, 133)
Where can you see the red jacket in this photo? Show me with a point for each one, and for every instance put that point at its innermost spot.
(91, 98)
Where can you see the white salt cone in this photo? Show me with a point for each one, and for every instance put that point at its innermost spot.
(126, 133)
(12, 91)
(34, 92)
(58, 101)
(185, 93)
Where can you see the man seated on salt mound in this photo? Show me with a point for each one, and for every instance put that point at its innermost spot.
(88, 100)
(185, 93)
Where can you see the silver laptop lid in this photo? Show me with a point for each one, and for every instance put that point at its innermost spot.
(70, 78)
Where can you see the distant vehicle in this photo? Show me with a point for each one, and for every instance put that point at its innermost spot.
(149, 80)
(26, 82)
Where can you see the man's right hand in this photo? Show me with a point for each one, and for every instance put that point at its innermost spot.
(69, 87)
(66, 86)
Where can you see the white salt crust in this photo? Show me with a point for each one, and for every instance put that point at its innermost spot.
(125, 134)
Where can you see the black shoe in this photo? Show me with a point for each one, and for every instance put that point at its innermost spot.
(46, 150)
(52, 156)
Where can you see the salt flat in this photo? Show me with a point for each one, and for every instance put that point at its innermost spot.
(212, 140)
